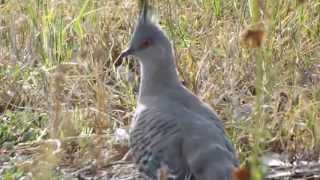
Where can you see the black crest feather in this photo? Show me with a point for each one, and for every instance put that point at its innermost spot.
(146, 12)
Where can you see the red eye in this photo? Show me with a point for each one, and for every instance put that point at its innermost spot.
(145, 44)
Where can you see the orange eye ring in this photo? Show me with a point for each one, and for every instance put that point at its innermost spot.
(145, 44)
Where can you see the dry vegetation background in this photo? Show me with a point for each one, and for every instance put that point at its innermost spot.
(64, 106)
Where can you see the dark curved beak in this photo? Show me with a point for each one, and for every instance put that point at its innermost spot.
(123, 55)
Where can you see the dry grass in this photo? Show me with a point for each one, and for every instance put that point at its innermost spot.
(56, 61)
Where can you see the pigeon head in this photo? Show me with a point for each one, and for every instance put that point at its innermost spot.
(148, 41)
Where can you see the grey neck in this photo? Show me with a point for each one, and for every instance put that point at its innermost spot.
(157, 76)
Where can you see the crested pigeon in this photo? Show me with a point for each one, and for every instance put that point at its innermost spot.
(172, 128)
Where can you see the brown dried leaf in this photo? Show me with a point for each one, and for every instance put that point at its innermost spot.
(253, 36)
(242, 174)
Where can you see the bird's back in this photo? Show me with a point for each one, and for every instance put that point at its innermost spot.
(182, 136)
(155, 142)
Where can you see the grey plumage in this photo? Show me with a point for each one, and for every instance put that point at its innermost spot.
(172, 127)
